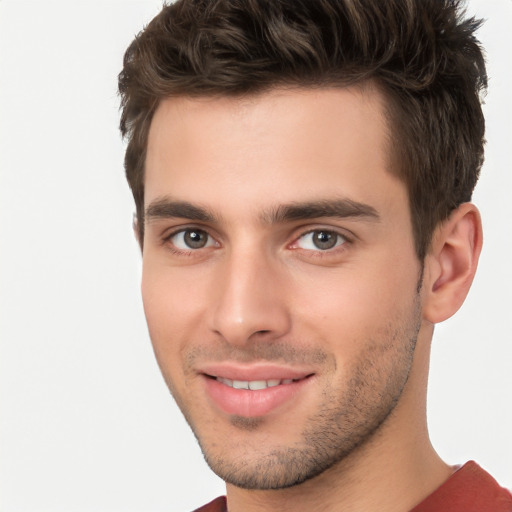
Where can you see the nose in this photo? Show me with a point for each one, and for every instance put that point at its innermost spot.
(250, 300)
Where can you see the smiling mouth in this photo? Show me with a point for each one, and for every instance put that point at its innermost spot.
(256, 385)
(256, 397)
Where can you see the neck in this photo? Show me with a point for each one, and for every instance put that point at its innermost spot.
(393, 471)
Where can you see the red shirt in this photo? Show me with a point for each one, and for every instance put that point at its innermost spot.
(469, 489)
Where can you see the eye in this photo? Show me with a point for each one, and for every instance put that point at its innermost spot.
(191, 238)
(320, 240)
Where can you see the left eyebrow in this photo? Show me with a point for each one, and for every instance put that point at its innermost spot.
(340, 208)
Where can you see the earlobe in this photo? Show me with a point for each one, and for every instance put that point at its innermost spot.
(451, 263)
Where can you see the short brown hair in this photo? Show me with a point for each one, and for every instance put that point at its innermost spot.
(422, 54)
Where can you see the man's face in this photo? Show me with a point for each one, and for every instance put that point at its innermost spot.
(279, 257)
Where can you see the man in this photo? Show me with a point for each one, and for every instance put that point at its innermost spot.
(302, 173)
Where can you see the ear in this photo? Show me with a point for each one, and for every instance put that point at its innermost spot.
(451, 263)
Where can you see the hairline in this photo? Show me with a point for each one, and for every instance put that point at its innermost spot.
(385, 99)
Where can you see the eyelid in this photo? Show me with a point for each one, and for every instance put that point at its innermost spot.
(168, 236)
(170, 231)
(348, 239)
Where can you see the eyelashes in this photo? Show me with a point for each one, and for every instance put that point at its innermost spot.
(194, 241)
(320, 240)
(191, 239)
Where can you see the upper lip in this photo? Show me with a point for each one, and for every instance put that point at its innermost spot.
(254, 371)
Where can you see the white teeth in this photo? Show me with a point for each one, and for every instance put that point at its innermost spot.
(253, 385)
(228, 382)
(257, 384)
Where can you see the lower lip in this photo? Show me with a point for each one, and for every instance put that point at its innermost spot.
(251, 404)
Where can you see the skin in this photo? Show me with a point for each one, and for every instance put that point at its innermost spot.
(254, 289)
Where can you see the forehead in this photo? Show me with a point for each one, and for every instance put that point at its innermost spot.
(278, 146)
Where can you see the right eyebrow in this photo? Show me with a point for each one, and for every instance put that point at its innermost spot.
(340, 208)
(165, 208)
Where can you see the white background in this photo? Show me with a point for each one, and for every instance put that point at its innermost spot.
(86, 421)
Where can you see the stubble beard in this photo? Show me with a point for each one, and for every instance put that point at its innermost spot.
(342, 423)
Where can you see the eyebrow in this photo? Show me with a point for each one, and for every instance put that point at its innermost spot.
(340, 208)
(164, 208)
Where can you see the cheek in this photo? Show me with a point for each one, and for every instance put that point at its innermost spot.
(172, 309)
(171, 316)
(355, 304)
(171, 296)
